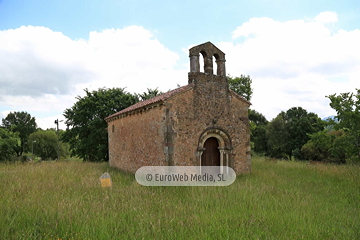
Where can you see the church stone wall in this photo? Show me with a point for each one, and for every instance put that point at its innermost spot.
(137, 140)
(239, 127)
(172, 133)
(169, 134)
(183, 124)
(209, 105)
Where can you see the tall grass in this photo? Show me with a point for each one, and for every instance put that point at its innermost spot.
(283, 200)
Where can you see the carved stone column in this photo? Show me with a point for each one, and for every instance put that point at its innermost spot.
(199, 153)
(221, 71)
(194, 63)
(208, 65)
(227, 161)
(222, 151)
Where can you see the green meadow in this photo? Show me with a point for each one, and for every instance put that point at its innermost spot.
(278, 200)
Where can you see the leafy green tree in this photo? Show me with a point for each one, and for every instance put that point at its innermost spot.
(318, 148)
(277, 136)
(299, 123)
(8, 141)
(241, 85)
(347, 107)
(23, 124)
(258, 124)
(344, 149)
(257, 118)
(329, 146)
(86, 131)
(149, 94)
(288, 132)
(44, 144)
(259, 138)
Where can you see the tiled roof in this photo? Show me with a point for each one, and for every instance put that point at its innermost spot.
(149, 101)
(163, 97)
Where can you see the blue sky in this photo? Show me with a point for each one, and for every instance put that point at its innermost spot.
(295, 51)
(175, 23)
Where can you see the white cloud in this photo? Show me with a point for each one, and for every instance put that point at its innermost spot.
(46, 103)
(326, 17)
(3, 114)
(43, 71)
(49, 122)
(43, 122)
(37, 61)
(294, 63)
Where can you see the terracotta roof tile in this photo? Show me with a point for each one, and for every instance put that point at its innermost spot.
(149, 101)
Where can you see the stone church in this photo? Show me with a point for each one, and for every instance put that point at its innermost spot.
(201, 124)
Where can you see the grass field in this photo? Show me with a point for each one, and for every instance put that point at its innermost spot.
(283, 200)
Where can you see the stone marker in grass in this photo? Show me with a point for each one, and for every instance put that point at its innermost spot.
(105, 180)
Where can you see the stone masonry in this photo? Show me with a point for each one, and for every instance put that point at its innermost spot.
(172, 129)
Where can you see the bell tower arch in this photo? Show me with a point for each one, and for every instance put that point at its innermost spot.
(210, 89)
(207, 51)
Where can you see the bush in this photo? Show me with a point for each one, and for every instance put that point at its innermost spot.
(8, 142)
(45, 145)
(297, 154)
(330, 146)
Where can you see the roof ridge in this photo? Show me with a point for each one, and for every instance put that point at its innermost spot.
(152, 100)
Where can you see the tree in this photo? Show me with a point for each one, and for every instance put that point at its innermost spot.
(329, 146)
(344, 149)
(288, 132)
(64, 147)
(319, 147)
(149, 94)
(347, 107)
(257, 118)
(258, 124)
(86, 131)
(241, 85)
(23, 124)
(277, 136)
(8, 142)
(299, 123)
(44, 144)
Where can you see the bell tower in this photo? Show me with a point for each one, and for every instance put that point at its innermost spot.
(208, 51)
(211, 90)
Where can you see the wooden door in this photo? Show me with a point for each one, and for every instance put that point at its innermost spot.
(211, 155)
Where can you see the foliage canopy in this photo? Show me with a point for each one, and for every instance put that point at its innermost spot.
(149, 94)
(8, 142)
(23, 124)
(258, 137)
(45, 144)
(241, 85)
(288, 132)
(86, 131)
(347, 107)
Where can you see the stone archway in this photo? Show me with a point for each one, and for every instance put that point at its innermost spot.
(208, 51)
(224, 148)
(211, 154)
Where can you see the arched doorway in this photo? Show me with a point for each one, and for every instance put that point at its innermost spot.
(214, 148)
(211, 154)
